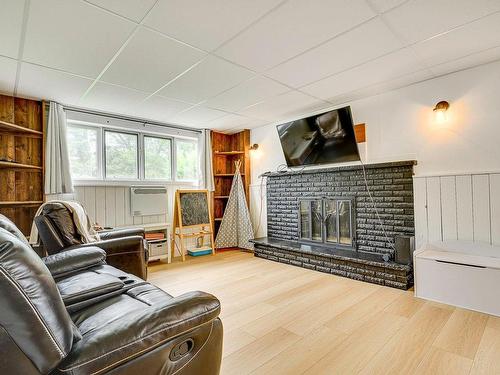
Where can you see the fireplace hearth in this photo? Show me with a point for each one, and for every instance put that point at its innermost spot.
(325, 220)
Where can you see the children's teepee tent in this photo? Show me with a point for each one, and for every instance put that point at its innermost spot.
(236, 227)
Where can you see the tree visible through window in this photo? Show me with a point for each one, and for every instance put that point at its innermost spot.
(157, 158)
(186, 160)
(121, 155)
(82, 148)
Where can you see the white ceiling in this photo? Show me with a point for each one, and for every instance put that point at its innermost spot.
(234, 64)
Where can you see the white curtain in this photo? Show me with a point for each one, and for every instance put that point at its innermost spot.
(206, 175)
(57, 171)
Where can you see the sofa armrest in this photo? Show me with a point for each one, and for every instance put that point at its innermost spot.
(127, 254)
(121, 232)
(67, 262)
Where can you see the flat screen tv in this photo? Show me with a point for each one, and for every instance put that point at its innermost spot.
(320, 139)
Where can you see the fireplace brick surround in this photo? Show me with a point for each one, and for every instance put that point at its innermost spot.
(391, 185)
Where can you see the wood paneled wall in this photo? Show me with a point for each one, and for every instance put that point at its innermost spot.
(110, 205)
(458, 207)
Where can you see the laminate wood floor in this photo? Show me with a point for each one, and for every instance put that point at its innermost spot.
(280, 319)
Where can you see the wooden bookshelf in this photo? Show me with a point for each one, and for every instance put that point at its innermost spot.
(21, 159)
(226, 149)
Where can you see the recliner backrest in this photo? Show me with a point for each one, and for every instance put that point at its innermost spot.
(9, 226)
(62, 220)
(32, 313)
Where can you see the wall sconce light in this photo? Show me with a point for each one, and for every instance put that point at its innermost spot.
(254, 147)
(440, 111)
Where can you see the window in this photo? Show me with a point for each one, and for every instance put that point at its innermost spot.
(186, 153)
(157, 158)
(83, 148)
(108, 153)
(121, 155)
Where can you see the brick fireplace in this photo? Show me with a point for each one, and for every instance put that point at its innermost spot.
(325, 220)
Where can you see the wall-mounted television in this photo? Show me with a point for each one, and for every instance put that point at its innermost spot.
(320, 139)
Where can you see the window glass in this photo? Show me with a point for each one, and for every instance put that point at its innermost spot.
(121, 155)
(186, 160)
(157, 158)
(83, 151)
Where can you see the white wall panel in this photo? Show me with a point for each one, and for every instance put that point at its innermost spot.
(434, 209)
(495, 208)
(449, 208)
(462, 207)
(465, 222)
(420, 207)
(481, 208)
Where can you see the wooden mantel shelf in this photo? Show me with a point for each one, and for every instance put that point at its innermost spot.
(13, 128)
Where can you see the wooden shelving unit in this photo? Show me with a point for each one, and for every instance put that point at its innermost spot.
(21, 159)
(226, 149)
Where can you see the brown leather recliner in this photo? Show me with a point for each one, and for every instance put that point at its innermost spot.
(125, 248)
(70, 313)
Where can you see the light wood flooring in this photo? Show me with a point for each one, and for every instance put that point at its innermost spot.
(280, 319)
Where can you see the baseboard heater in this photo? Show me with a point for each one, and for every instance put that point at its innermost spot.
(148, 200)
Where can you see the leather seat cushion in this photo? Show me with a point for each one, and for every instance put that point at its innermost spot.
(126, 326)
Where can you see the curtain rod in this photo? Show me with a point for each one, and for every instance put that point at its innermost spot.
(128, 118)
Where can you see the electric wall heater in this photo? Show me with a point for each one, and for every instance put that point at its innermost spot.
(148, 200)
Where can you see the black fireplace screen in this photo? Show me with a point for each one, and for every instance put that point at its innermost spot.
(327, 221)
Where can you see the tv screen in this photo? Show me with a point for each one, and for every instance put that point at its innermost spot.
(320, 139)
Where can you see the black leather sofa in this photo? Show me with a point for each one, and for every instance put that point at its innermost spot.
(125, 248)
(71, 313)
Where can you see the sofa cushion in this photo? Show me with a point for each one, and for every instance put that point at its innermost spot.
(32, 311)
(130, 325)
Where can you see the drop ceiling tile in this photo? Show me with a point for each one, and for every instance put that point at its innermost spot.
(44, 83)
(150, 60)
(483, 57)
(292, 28)
(11, 21)
(206, 24)
(366, 42)
(469, 39)
(198, 115)
(382, 6)
(378, 88)
(160, 108)
(73, 36)
(421, 19)
(249, 92)
(8, 69)
(232, 121)
(382, 69)
(205, 80)
(290, 104)
(131, 9)
(114, 99)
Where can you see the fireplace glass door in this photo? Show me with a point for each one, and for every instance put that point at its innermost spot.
(327, 221)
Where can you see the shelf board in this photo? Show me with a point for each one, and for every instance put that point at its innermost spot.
(20, 203)
(218, 219)
(13, 128)
(229, 153)
(9, 164)
(226, 174)
(221, 196)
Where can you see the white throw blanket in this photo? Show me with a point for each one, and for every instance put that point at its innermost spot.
(82, 222)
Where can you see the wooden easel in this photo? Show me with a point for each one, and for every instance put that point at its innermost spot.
(178, 226)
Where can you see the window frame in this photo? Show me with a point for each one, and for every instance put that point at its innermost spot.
(99, 150)
(101, 156)
(143, 156)
(175, 158)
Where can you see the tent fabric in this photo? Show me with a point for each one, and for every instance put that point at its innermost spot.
(236, 227)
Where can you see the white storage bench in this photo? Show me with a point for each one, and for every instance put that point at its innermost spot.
(460, 274)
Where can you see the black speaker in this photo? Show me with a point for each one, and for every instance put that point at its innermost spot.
(404, 245)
